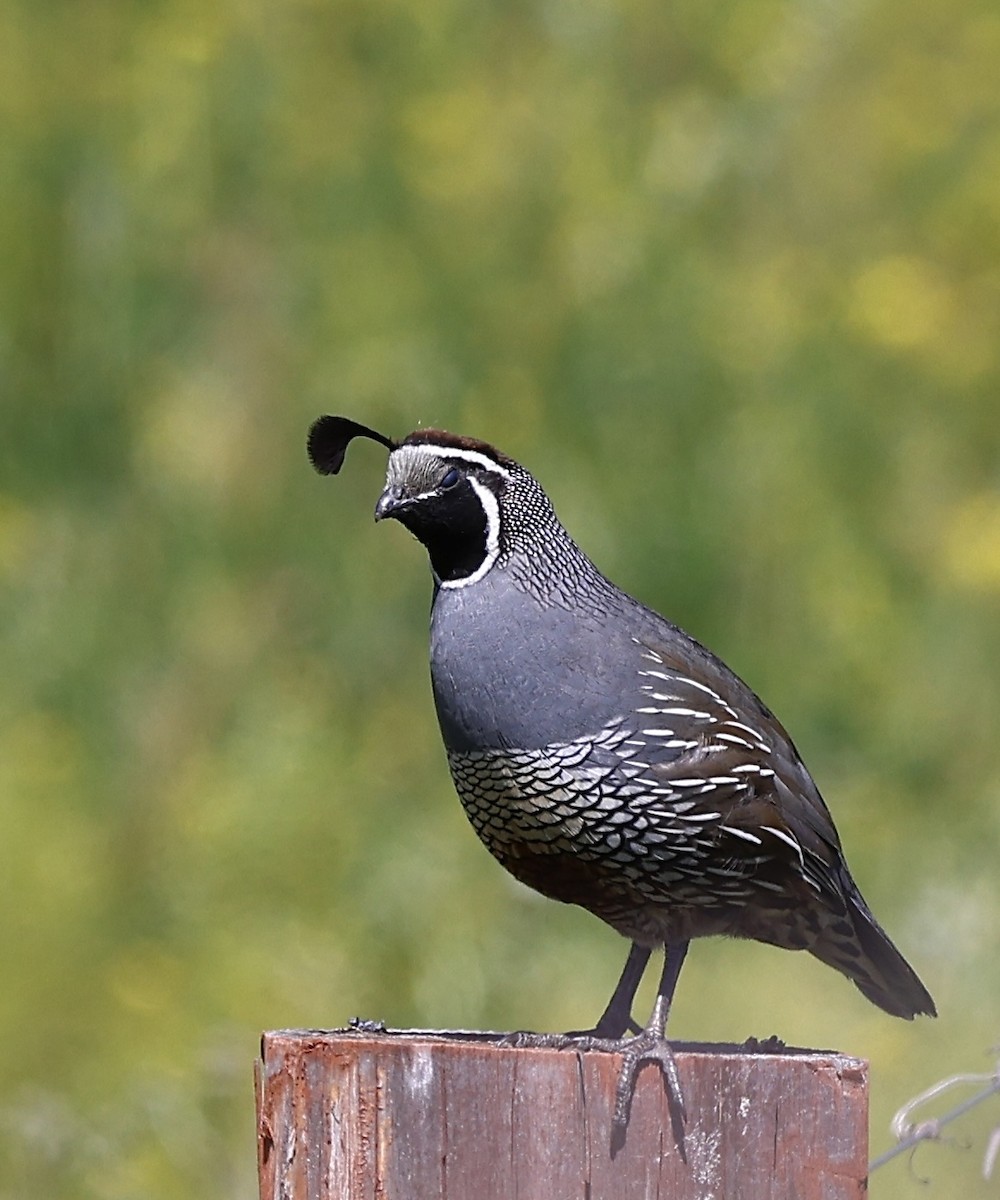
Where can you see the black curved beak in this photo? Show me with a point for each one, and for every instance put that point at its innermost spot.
(389, 503)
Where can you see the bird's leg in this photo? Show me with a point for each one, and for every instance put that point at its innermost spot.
(651, 1044)
(616, 1020)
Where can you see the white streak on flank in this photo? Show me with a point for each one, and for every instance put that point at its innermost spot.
(700, 686)
(658, 675)
(742, 833)
(454, 452)
(492, 510)
(757, 738)
(649, 711)
(788, 840)
(735, 739)
(658, 732)
(647, 653)
(680, 711)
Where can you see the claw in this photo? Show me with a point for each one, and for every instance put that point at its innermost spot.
(648, 1046)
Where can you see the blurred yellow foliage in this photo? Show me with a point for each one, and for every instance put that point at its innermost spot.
(900, 302)
(971, 551)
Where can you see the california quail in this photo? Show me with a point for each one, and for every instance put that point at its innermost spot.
(605, 757)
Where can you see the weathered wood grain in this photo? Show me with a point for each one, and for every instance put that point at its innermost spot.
(351, 1115)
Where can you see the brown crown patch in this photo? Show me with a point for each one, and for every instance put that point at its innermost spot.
(456, 441)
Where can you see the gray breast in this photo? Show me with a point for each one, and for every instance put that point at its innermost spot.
(511, 673)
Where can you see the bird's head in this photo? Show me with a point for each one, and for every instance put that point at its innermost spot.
(450, 491)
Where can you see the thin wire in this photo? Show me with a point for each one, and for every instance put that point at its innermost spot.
(911, 1135)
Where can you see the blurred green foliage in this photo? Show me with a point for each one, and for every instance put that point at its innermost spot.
(725, 276)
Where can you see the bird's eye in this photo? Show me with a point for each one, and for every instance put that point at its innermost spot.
(451, 477)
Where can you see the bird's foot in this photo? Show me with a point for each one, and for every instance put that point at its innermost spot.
(604, 1032)
(523, 1039)
(648, 1046)
(607, 1031)
(605, 1035)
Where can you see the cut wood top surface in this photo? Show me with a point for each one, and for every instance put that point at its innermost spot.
(366, 1112)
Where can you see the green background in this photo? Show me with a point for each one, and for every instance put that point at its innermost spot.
(724, 275)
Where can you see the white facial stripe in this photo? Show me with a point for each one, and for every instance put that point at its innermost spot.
(455, 452)
(492, 510)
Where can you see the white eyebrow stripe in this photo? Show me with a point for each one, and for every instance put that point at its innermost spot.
(469, 456)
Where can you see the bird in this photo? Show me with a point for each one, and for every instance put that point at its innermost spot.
(605, 757)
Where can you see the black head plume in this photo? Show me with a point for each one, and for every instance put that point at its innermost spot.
(329, 438)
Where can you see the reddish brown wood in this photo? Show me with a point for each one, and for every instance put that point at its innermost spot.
(395, 1116)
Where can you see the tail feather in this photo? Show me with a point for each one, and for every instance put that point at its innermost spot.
(872, 962)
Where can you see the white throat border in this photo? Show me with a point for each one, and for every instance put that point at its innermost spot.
(492, 510)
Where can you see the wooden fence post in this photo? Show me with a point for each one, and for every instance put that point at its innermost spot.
(363, 1115)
